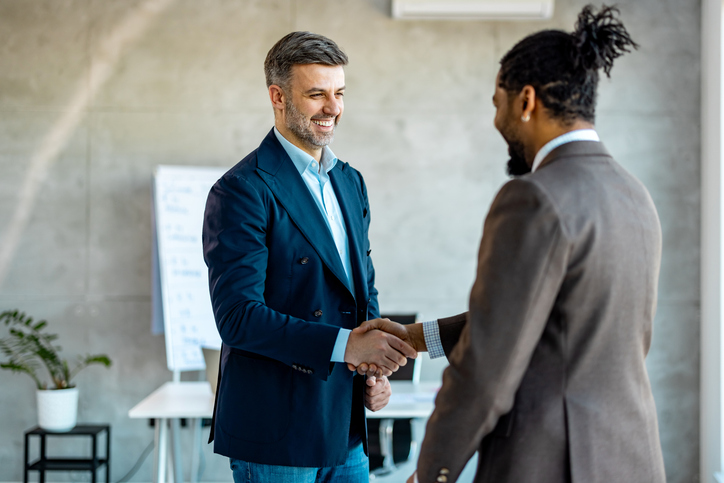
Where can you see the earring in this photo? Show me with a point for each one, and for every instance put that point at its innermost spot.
(525, 117)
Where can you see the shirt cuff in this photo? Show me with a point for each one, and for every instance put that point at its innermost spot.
(340, 347)
(431, 330)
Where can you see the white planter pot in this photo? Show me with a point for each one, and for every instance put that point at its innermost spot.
(57, 409)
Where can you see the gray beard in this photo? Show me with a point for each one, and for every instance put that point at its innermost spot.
(297, 123)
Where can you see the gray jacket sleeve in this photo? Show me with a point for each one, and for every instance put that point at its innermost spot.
(521, 264)
(450, 329)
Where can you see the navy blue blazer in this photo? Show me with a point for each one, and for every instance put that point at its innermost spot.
(280, 294)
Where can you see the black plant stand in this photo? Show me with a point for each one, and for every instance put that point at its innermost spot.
(44, 463)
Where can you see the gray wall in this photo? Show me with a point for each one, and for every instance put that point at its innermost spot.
(418, 123)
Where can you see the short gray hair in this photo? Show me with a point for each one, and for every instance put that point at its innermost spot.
(300, 48)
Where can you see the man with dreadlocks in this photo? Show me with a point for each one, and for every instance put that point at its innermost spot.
(547, 378)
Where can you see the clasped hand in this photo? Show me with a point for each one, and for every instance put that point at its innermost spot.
(405, 340)
(377, 393)
(385, 349)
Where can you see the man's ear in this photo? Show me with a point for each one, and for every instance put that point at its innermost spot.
(277, 97)
(527, 100)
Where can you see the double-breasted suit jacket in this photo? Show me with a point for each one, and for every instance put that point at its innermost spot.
(280, 295)
(547, 376)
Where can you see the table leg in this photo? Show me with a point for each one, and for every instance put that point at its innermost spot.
(170, 477)
(162, 453)
(176, 448)
(156, 453)
(196, 451)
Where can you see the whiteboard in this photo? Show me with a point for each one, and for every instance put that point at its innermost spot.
(181, 281)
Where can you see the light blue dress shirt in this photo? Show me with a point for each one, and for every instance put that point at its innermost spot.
(320, 187)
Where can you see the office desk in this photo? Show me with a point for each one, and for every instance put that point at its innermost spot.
(194, 400)
(166, 406)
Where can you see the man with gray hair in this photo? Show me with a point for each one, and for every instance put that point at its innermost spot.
(286, 243)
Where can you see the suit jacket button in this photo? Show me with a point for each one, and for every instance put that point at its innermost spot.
(318, 313)
(444, 471)
(442, 479)
(304, 260)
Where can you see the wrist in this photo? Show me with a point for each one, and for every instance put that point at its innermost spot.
(417, 337)
(349, 351)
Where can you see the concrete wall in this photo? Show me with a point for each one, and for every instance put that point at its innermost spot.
(102, 91)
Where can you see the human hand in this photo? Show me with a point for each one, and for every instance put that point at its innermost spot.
(412, 478)
(377, 393)
(384, 350)
(364, 369)
(411, 334)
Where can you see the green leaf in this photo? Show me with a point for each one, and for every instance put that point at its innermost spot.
(27, 347)
(98, 359)
(15, 367)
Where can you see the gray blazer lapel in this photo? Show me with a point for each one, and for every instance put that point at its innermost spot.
(278, 172)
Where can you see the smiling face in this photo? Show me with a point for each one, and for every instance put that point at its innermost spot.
(312, 106)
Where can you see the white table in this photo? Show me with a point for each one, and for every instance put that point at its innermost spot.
(167, 405)
(194, 400)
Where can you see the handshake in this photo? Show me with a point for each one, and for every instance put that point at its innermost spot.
(379, 347)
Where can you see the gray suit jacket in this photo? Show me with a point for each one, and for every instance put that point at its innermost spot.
(548, 379)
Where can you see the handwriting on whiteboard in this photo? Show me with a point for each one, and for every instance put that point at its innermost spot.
(180, 198)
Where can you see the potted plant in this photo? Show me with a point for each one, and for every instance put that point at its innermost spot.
(29, 349)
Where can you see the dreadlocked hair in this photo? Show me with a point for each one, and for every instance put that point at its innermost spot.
(563, 67)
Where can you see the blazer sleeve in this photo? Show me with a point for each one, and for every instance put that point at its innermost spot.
(521, 264)
(236, 253)
(450, 329)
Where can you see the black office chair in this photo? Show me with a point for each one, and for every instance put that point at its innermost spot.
(384, 450)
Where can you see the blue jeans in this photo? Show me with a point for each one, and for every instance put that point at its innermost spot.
(354, 470)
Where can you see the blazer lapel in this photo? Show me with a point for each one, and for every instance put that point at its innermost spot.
(281, 176)
(352, 210)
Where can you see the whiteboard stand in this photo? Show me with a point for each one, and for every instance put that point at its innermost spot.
(175, 459)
